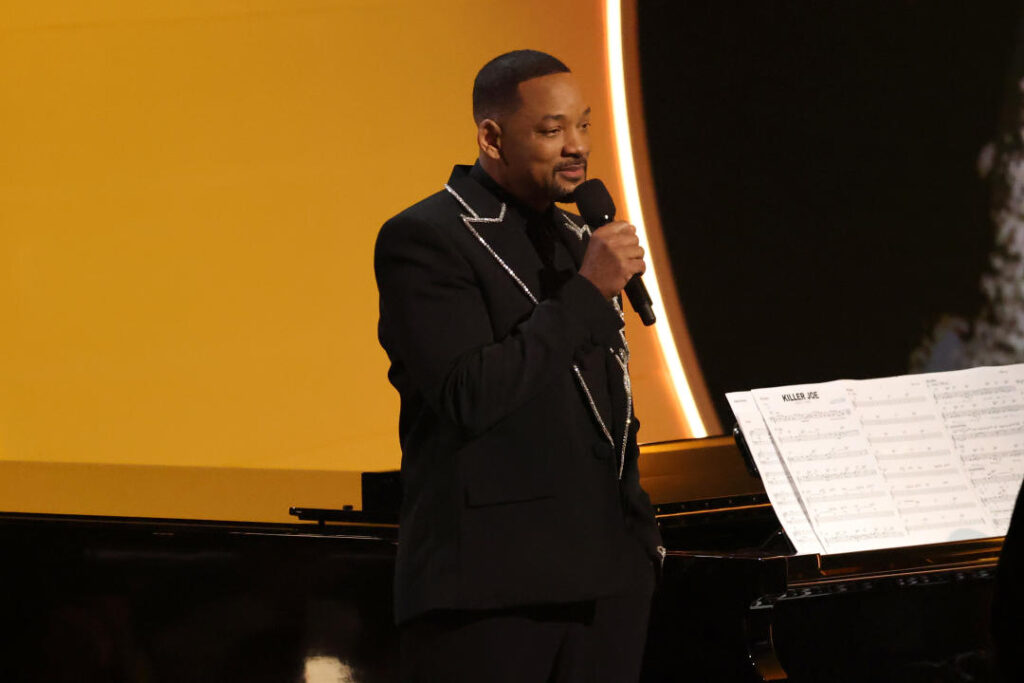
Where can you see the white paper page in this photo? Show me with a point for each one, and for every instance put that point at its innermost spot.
(917, 457)
(983, 410)
(829, 459)
(777, 482)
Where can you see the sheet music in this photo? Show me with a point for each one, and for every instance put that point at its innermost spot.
(935, 497)
(777, 482)
(983, 410)
(892, 461)
(830, 461)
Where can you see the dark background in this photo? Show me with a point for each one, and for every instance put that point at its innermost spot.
(816, 172)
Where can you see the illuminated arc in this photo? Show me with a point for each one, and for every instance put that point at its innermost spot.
(624, 147)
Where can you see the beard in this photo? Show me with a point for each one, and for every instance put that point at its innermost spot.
(562, 191)
(562, 194)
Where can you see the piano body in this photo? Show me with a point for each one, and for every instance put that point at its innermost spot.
(750, 610)
(111, 597)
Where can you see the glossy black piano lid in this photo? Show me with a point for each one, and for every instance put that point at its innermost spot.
(107, 599)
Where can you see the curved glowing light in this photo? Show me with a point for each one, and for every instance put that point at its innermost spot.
(624, 147)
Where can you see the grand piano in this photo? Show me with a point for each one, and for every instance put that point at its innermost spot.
(111, 597)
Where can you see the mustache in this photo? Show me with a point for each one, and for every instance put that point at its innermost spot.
(582, 161)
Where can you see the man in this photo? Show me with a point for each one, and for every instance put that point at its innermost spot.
(527, 549)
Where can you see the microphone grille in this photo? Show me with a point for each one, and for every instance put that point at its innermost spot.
(595, 204)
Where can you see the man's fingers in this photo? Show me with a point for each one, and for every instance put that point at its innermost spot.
(623, 240)
(616, 228)
(631, 252)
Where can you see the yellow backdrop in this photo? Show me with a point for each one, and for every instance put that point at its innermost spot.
(189, 195)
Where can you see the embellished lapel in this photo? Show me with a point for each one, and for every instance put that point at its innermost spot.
(501, 230)
(619, 390)
(574, 235)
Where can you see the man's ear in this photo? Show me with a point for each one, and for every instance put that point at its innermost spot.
(488, 136)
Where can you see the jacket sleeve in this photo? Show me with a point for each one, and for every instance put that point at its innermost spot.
(434, 322)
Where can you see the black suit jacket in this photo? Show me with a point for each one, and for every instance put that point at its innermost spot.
(520, 481)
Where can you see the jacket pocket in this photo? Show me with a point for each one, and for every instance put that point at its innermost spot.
(501, 468)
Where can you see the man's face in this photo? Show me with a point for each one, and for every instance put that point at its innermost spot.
(546, 141)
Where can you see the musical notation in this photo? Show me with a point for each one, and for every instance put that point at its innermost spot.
(903, 438)
(778, 483)
(886, 402)
(913, 455)
(893, 421)
(865, 464)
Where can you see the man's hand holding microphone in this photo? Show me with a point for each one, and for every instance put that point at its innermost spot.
(614, 259)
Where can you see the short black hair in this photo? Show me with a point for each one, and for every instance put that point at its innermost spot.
(495, 89)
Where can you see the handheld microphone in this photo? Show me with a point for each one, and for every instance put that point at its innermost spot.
(597, 208)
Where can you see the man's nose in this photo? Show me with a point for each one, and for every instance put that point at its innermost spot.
(576, 143)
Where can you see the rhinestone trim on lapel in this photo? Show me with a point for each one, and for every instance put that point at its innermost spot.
(576, 230)
(475, 218)
(622, 356)
(628, 387)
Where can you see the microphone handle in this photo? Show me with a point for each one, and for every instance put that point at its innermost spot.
(640, 299)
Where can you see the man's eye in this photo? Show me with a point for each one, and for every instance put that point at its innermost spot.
(585, 126)
(551, 132)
